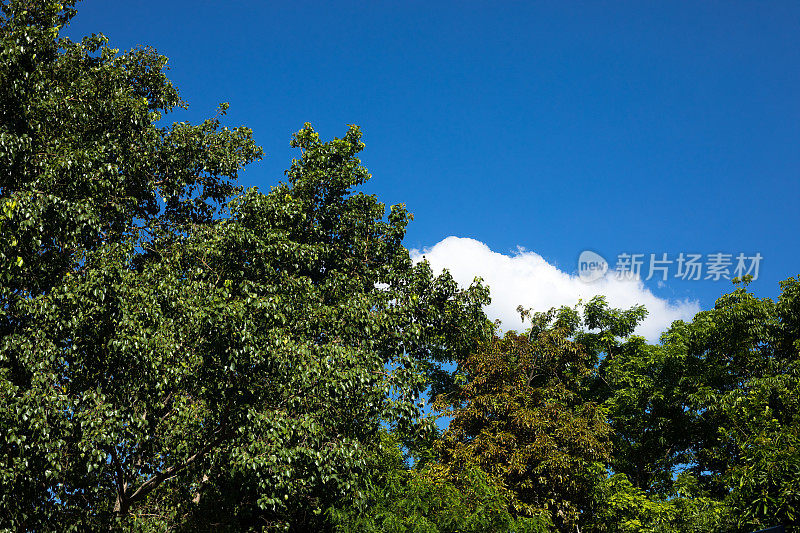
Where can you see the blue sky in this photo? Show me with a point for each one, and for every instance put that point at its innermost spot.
(553, 126)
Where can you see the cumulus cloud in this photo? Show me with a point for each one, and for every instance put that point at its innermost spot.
(525, 278)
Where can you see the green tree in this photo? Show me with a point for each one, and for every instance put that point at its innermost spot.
(351, 329)
(641, 387)
(713, 407)
(82, 165)
(425, 499)
(175, 354)
(742, 384)
(623, 508)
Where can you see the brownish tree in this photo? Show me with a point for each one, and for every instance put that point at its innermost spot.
(519, 417)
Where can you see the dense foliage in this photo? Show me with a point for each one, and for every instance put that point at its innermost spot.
(178, 353)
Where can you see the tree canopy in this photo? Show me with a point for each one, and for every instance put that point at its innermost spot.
(176, 350)
(180, 353)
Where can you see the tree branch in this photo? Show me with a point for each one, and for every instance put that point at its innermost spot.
(120, 474)
(156, 479)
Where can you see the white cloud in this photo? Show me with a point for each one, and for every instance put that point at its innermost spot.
(526, 279)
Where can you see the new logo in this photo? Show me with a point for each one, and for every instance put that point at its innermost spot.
(591, 266)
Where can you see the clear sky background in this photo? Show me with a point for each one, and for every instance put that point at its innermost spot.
(556, 127)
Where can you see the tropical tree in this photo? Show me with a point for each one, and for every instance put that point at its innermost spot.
(714, 408)
(175, 353)
(423, 498)
(519, 416)
(641, 387)
(742, 386)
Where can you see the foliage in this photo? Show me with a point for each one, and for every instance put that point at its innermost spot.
(640, 386)
(718, 398)
(743, 394)
(425, 500)
(621, 507)
(175, 354)
(520, 418)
